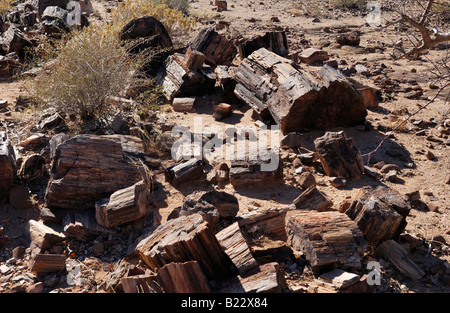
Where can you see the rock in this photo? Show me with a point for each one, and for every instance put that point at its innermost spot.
(36, 288)
(54, 20)
(33, 169)
(430, 155)
(339, 156)
(222, 111)
(47, 215)
(47, 263)
(392, 176)
(306, 179)
(20, 198)
(194, 59)
(152, 35)
(313, 55)
(369, 95)
(221, 5)
(126, 205)
(7, 166)
(185, 104)
(313, 199)
(339, 279)
(35, 142)
(42, 237)
(361, 69)
(18, 252)
(447, 180)
(254, 174)
(15, 41)
(82, 226)
(82, 172)
(350, 38)
(291, 140)
(390, 167)
(338, 182)
(379, 212)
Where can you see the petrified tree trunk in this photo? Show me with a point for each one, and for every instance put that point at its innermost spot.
(236, 248)
(217, 49)
(250, 174)
(7, 166)
(186, 172)
(328, 239)
(313, 199)
(339, 156)
(194, 59)
(125, 205)
(297, 100)
(274, 41)
(88, 168)
(398, 256)
(186, 238)
(379, 212)
(267, 278)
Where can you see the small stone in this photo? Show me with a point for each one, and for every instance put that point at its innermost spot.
(36, 288)
(184, 104)
(98, 248)
(430, 155)
(392, 176)
(306, 180)
(389, 167)
(18, 252)
(222, 111)
(379, 165)
(48, 216)
(338, 182)
(413, 196)
(447, 179)
(433, 207)
(291, 140)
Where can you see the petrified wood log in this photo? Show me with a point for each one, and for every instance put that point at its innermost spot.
(274, 41)
(339, 156)
(186, 238)
(379, 212)
(88, 168)
(297, 100)
(313, 199)
(328, 239)
(217, 49)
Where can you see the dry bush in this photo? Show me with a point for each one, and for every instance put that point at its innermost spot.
(5, 5)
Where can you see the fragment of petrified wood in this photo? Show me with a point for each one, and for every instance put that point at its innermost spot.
(33, 168)
(313, 199)
(47, 263)
(186, 238)
(186, 277)
(379, 212)
(144, 283)
(7, 166)
(179, 81)
(42, 237)
(398, 256)
(236, 247)
(88, 168)
(82, 226)
(339, 156)
(296, 99)
(149, 33)
(222, 111)
(224, 79)
(194, 59)
(328, 239)
(126, 205)
(185, 172)
(217, 49)
(274, 41)
(267, 278)
(213, 205)
(313, 55)
(251, 173)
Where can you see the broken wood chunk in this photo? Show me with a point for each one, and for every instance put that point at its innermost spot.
(125, 205)
(379, 212)
(184, 104)
(222, 111)
(339, 279)
(274, 41)
(394, 253)
(253, 174)
(186, 277)
(296, 99)
(7, 166)
(42, 237)
(267, 278)
(141, 284)
(82, 226)
(313, 55)
(82, 172)
(194, 59)
(235, 246)
(186, 172)
(217, 49)
(339, 156)
(313, 199)
(186, 238)
(328, 239)
(47, 263)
